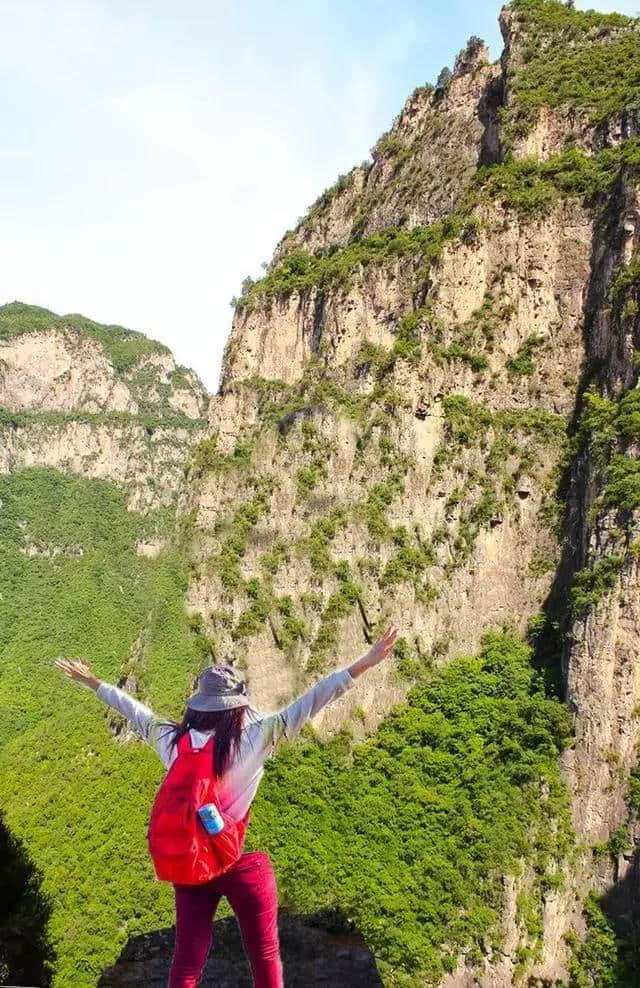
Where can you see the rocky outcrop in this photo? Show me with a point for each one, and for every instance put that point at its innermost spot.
(147, 461)
(524, 281)
(311, 956)
(602, 651)
(421, 167)
(95, 400)
(60, 371)
(537, 129)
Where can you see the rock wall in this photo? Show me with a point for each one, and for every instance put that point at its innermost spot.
(421, 167)
(95, 400)
(602, 651)
(523, 279)
(386, 475)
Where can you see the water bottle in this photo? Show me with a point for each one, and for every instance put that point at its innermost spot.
(211, 818)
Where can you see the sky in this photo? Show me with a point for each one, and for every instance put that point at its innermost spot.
(153, 153)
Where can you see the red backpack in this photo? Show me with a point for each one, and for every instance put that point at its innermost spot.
(181, 849)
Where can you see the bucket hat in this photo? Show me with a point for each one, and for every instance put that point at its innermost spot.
(219, 688)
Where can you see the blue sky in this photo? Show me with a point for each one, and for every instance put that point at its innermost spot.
(153, 153)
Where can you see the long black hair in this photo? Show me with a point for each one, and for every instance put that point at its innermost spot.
(227, 725)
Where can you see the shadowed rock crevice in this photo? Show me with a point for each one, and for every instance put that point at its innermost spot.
(26, 954)
(488, 114)
(316, 951)
(604, 367)
(621, 905)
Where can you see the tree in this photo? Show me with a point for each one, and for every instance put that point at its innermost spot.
(444, 78)
(247, 285)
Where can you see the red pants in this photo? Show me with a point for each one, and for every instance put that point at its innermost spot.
(250, 887)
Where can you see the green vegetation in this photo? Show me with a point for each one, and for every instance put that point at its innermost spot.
(26, 956)
(406, 346)
(317, 544)
(317, 450)
(468, 424)
(624, 288)
(456, 351)
(409, 562)
(634, 790)
(492, 437)
(609, 427)
(206, 456)
(322, 203)
(293, 629)
(531, 187)
(595, 961)
(616, 843)
(307, 478)
(372, 508)
(521, 364)
(409, 835)
(78, 799)
(623, 484)
(592, 583)
(152, 420)
(234, 544)
(339, 604)
(124, 347)
(574, 58)
(254, 618)
(299, 270)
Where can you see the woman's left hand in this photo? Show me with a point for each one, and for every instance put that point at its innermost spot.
(79, 670)
(376, 653)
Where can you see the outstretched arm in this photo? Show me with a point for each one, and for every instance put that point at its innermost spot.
(288, 722)
(141, 718)
(78, 670)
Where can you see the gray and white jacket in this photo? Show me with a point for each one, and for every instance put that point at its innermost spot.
(260, 737)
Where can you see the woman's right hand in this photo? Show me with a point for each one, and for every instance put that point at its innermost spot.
(79, 670)
(376, 653)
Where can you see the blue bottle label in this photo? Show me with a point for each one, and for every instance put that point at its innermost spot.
(211, 818)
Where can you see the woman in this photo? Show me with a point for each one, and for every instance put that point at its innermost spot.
(244, 738)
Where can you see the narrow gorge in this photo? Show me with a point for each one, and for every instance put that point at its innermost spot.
(428, 414)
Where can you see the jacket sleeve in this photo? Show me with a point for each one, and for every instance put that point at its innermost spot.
(142, 719)
(288, 721)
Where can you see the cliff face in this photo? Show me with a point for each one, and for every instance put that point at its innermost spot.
(95, 400)
(402, 430)
(435, 468)
(420, 167)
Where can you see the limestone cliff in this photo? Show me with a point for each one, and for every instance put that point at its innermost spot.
(96, 400)
(400, 430)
